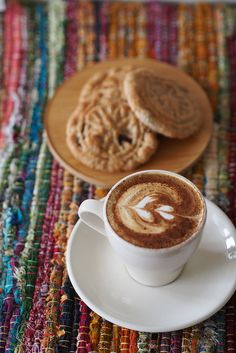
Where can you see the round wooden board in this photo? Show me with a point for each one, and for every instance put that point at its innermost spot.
(172, 154)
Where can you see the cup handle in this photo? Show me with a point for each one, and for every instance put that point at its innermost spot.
(91, 213)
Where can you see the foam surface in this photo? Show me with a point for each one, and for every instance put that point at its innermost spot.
(155, 210)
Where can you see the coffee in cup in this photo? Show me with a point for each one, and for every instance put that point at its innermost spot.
(154, 210)
(153, 220)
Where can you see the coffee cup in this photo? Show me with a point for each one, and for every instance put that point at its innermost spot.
(153, 220)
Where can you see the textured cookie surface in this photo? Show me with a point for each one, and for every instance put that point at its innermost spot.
(105, 85)
(164, 105)
(107, 136)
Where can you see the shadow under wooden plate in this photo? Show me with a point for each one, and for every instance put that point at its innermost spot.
(172, 154)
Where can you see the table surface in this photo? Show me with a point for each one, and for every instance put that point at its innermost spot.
(40, 46)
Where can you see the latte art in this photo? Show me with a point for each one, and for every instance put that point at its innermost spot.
(154, 210)
(146, 215)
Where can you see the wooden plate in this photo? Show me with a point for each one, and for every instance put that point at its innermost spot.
(172, 154)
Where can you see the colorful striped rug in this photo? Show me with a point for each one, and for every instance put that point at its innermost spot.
(41, 44)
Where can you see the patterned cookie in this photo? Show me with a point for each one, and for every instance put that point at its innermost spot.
(109, 137)
(108, 85)
(164, 105)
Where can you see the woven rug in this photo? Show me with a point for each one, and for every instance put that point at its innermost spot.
(41, 44)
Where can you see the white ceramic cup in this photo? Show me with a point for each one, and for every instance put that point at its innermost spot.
(152, 267)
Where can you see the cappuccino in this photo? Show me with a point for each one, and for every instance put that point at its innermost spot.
(155, 210)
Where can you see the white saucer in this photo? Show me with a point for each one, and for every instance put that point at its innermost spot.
(205, 285)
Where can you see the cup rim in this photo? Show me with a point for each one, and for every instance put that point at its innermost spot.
(157, 250)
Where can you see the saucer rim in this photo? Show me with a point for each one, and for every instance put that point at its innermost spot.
(132, 326)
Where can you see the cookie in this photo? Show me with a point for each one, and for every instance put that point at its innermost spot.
(108, 137)
(164, 105)
(107, 85)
